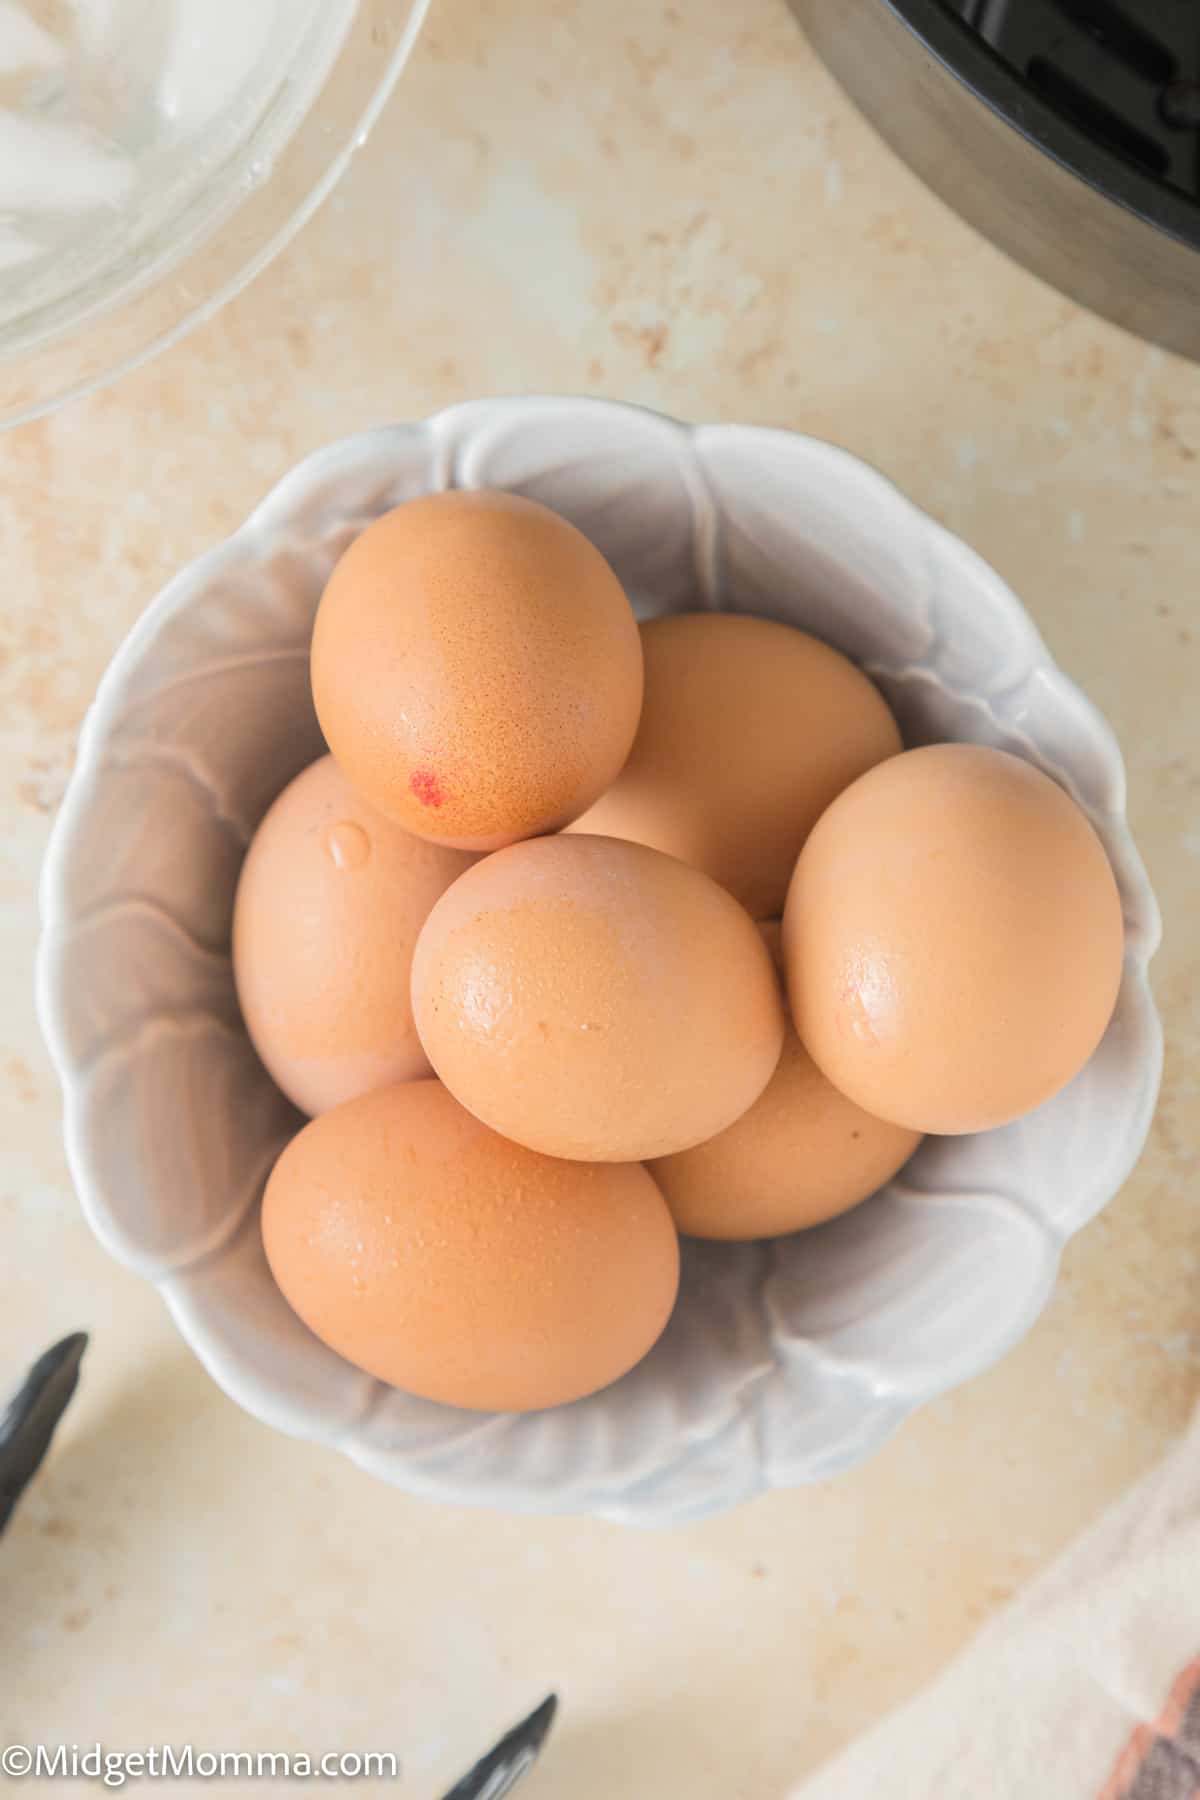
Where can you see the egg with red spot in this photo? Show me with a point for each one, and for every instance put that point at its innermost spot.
(476, 668)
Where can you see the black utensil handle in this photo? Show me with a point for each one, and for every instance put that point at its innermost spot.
(29, 1421)
(498, 1773)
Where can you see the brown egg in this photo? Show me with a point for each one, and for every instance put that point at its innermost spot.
(801, 1155)
(771, 932)
(596, 999)
(444, 1260)
(953, 939)
(749, 729)
(330, 901)
(476, 668)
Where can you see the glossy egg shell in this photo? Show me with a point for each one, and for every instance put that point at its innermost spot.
(596, 999)
(330, 901)
(953, 939)
(476, 668)
(749, 729)
(449, 1262)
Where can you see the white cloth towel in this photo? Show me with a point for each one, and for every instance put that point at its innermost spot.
(1086, 1688)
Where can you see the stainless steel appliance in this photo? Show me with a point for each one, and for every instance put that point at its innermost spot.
(1066, 130)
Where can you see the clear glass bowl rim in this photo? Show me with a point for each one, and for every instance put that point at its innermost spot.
(142, 319)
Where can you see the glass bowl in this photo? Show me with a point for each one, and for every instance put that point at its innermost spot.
(155, 155)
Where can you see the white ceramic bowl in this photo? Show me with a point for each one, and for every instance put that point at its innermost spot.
(785, 1361)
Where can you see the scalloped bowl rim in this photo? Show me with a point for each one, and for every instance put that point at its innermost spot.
(272, 515)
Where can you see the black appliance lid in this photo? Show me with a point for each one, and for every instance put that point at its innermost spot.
(953, 31)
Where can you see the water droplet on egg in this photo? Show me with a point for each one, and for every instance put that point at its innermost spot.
(348, 845)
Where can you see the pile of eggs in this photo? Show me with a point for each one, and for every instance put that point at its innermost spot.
(585, 935)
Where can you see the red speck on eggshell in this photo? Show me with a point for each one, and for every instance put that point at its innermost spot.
(426, 786)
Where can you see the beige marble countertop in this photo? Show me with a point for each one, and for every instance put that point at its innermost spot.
(671, 204)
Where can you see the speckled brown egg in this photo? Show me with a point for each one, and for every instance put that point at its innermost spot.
(596, 999)
(330, 901)
(801, 1155)
(953, 939)
(448, 1262)
(476, 668)
(749, 729)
